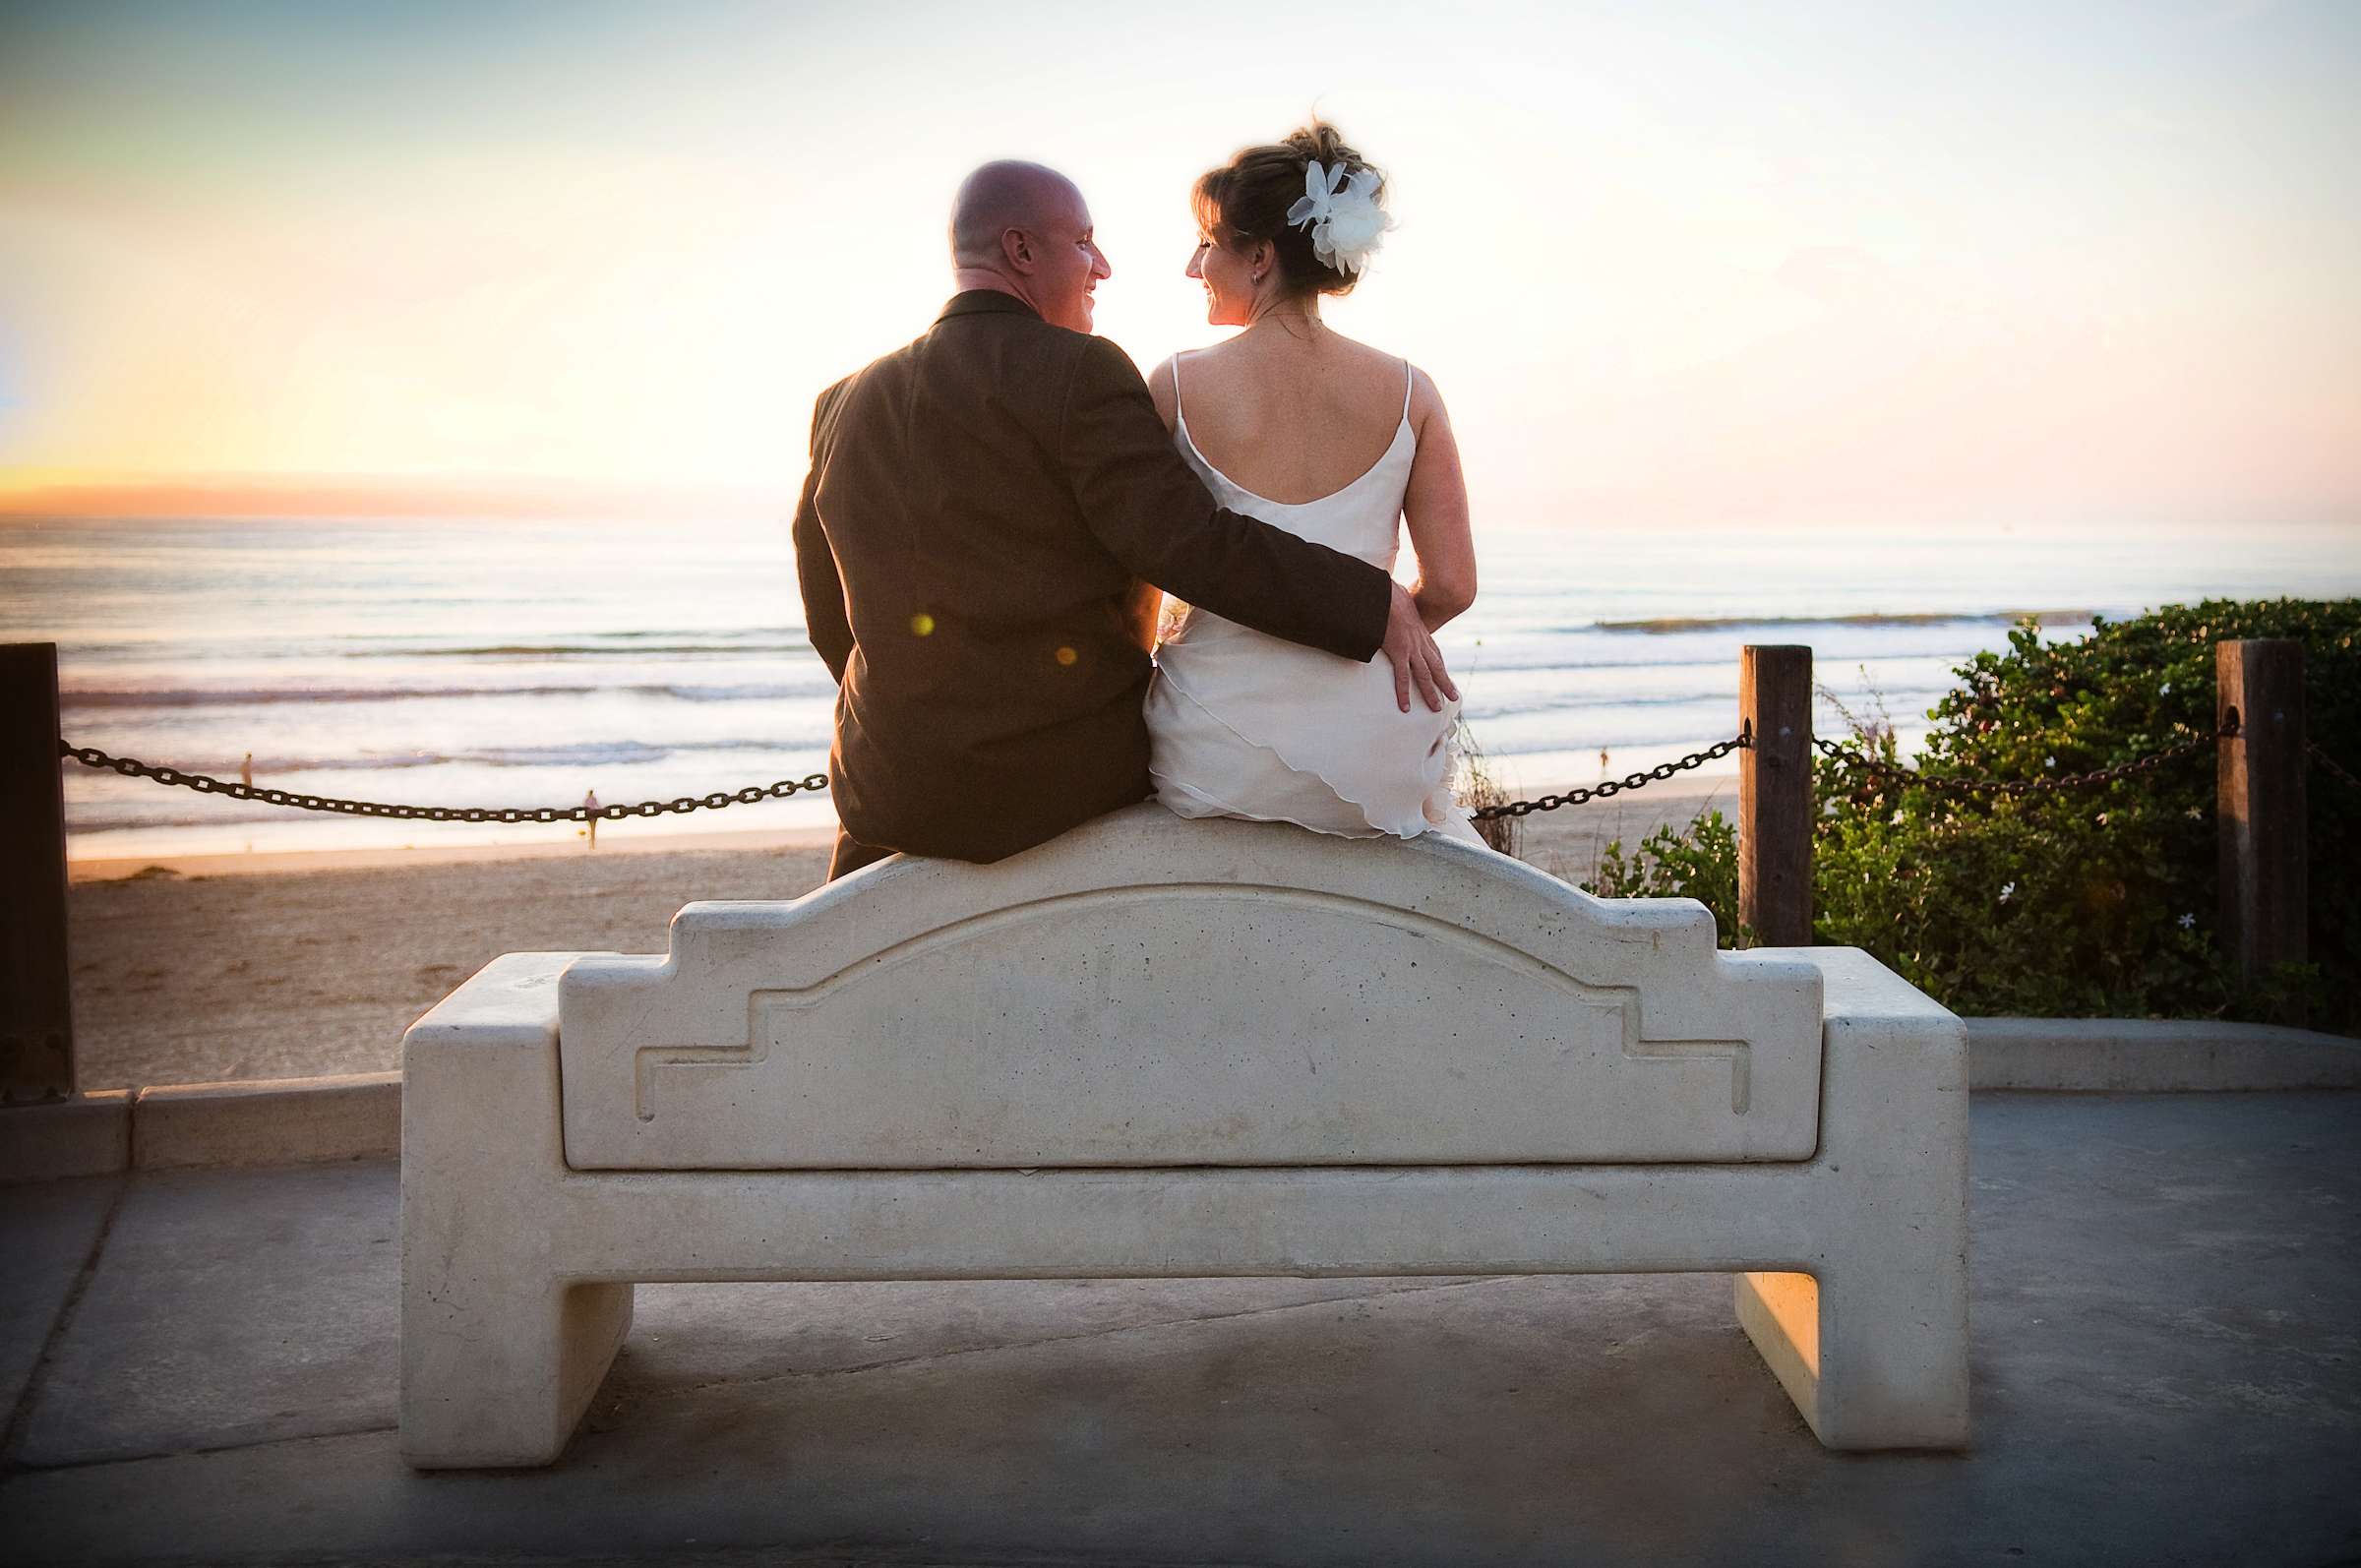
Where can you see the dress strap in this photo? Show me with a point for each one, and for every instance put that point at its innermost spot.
(1409, 380)
(1177, 388)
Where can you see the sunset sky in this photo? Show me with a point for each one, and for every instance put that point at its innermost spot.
(1941, 264)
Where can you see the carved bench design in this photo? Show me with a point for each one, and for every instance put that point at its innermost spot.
(1157, 1048)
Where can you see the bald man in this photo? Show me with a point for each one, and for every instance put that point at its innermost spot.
(987, 512)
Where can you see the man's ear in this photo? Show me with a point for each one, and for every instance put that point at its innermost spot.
(1018, 246)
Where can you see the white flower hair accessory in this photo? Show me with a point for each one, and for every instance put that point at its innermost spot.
(1340, 206)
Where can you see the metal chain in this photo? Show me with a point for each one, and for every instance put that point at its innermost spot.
(2329, 766)
(130, 767)
(1863, 762)
(204, 784)
(1600, 791)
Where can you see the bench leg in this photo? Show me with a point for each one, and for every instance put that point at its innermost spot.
(500, 1353)
(504, 1376)
(1872, 1342)
(1872, 1360)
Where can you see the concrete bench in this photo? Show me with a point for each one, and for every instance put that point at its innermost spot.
(1158, 1048)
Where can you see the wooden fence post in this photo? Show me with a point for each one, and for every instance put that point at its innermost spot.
(37, 999)
(2260, 802)
(1775, 795)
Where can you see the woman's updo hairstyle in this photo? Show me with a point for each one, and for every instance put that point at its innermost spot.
(1247, 200)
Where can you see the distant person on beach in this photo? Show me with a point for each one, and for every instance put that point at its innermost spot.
(988, 514)
(1331, 440)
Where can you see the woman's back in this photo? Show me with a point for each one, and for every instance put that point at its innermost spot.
(1292, 422)
(1314, 458)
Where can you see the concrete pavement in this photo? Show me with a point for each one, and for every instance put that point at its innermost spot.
(2167, 1318)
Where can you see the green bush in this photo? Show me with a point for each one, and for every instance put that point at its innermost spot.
(2090, 902)
(1700, 863)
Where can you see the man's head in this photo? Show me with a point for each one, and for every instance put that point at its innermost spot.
(1025, 229)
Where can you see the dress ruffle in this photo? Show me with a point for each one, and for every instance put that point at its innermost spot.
(1245, 725)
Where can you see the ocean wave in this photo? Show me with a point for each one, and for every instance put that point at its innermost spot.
(1914, 701)
(111, 819)
(757, 691)
(609, 753)
(271, 769)
(1662, 625)
(1473, 667)
(1474, 664)
(568, 650)
(585, 753)
(78, 699)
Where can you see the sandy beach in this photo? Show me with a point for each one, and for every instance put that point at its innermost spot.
(293, 965)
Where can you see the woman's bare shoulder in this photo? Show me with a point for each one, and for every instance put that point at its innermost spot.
(1425, 399)
(1160, 389)
(1218, 373)
(1382, 369)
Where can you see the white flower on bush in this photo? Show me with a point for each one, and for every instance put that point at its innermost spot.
(2165, 690)
(1347, 223)
(1897, 817)
(2188, 921)
(2049, 761)
(2007, 891)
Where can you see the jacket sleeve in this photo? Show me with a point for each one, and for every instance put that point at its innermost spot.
(824, 617)
(1155, 516)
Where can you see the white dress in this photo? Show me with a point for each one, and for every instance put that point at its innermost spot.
(1241, 724)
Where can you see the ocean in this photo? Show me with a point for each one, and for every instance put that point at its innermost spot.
(525, 664)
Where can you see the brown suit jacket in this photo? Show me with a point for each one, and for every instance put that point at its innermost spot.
(983, 509)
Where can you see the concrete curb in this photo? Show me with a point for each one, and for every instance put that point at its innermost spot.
(358, 1117)
(269, 1121)
(2142, 1055)
(87, 1135)
(179, 1127)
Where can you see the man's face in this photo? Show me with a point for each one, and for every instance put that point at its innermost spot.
(1067, 263)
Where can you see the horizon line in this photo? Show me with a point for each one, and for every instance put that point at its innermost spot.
(233, 497)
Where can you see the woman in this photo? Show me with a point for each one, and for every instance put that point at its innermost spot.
(1337, 442)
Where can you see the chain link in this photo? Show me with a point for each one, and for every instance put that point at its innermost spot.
(1600, 791)
(1862, 761)
(2329, 766)
(203, 784)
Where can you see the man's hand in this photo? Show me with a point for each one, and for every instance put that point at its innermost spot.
(1415, 656)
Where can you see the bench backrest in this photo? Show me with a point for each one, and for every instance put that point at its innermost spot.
(1152, 992)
